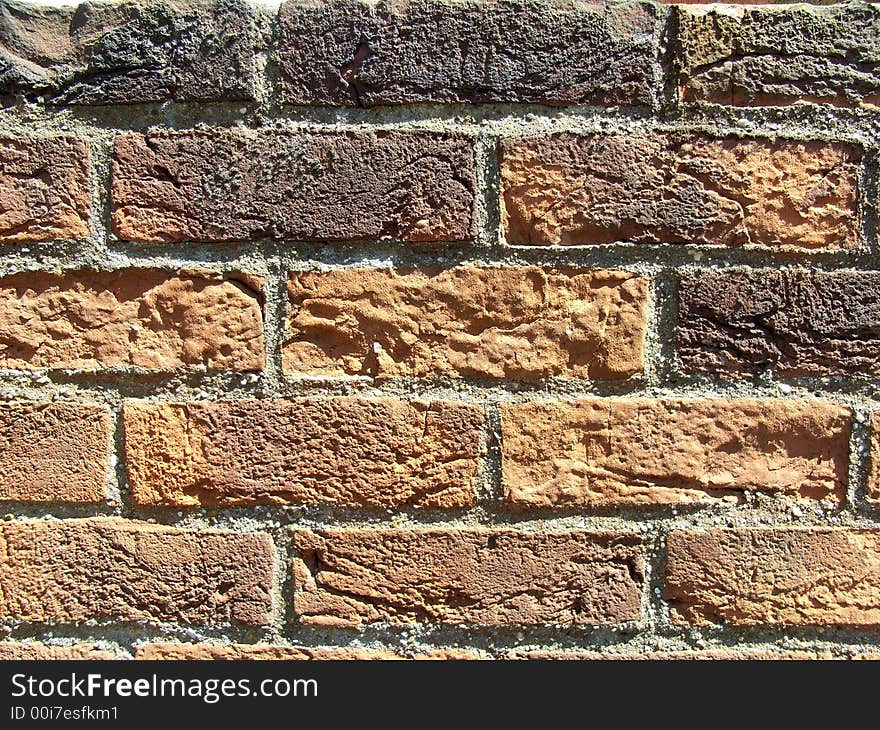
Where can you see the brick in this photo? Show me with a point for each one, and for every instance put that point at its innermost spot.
(151, 319)
(795, 322)
(777, 56)
(127, 53)
(44, 186)
(34, 651)
(358, 53)
(774, 576)
(517, 323)
(466, 576)
(178, 651)
(238, 652)
(724, 655)
(105, 569)
(873, 485)
(611, 451)
(378, 452)
(54, 452)
(219, 185)
(653, 187)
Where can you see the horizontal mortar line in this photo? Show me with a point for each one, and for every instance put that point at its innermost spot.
(765, 511)
(255, 258)
(118, 384)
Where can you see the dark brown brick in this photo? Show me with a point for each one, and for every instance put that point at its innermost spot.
(128, 52)
(344, 52)
(796, 322)
(226, 186)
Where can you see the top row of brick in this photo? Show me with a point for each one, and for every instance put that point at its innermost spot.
(351, 52)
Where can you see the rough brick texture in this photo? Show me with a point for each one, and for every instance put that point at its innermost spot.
(774, 576)
(463, 576)
(679, 188)
(794, 322)
(75, 570)
(604, 451)
(511, 323)
(178, 651)
(777, 56)
(345, 451)
(345, 52)
(34, 651)
(129, 52)
(873, 490)
(226, 186)
(54, 452)
(723, 655)
(147, 318)
(44, 189)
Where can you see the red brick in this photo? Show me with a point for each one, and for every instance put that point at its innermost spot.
(54, 452)
(786, 576)
(108, 568)
(348, 451)
(466, 576)
(44, 186)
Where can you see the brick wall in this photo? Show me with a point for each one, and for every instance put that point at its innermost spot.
(439, 330)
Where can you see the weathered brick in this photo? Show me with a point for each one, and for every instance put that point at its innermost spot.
(44, 186)
(345, 52)
(466, 576)
(54, 452)
(347, 451)
(611, 451)
(34, 651)
(147, 318)
(245, 185)
(125, 53)
(793, 321)
(776, 56)
(653, 187)
(75, 570)
(180, 651)
(873, 486)
(774, 576)
(518, 323)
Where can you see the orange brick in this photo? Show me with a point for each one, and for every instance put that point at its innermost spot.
(609, 451)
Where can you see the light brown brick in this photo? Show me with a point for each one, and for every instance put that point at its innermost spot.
(107, 568)
(54, 452)
(517, 323)
(680, 188)
(466, 576)
(34, 651)
(150, 319)
(775, 576)
(873, 486)
(609, 451)
(44, 189)
(347, 451)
